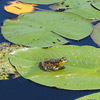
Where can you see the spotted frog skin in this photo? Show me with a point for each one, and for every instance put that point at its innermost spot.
(53, 64)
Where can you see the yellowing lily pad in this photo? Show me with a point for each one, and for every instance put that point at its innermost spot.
(17, 7)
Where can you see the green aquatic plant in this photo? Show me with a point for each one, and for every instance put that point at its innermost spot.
(81, 72)
(5, 67)
(88, 9)
(96, 34)
(41, 1)
(40, 30)
(94, 96)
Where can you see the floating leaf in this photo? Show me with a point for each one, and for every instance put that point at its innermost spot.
(70, 4)
(80, 7)
(5, 67)
(81, 72)
(44, 28)
(96, 5)
(17, 7)
(96, 34)
(95, 96)
(41, 1)
(86, 11)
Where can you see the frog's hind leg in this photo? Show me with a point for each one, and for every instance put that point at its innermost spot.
(42, 67)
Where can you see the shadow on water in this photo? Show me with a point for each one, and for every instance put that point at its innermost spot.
(22, 89)
(86, 41)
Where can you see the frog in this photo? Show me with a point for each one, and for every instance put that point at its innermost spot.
(53, 64)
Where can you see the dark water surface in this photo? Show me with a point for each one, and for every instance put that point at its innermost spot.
(22, 89)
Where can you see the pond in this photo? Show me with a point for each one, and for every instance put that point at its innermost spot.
(24, 89)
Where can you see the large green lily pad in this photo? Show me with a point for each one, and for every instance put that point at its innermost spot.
(96, 34)
(95, 96)
(44, 28)
(81, 72)
(41, 1)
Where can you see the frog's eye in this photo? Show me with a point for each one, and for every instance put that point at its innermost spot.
(63, 59)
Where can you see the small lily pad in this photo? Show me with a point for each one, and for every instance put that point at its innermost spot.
(81, 72)
(96, 34)
(17, 7)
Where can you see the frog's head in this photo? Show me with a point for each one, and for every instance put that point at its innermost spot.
(63, 60)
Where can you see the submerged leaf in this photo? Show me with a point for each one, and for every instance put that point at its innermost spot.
(44, 28)
(81, 72)
(96, 34)
(17, 7)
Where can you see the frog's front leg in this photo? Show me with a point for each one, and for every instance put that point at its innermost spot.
(60, 68)
(55, 68)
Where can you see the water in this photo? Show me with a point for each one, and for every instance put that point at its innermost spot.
(23, 89)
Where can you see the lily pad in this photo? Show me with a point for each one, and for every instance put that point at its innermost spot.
(81, 72)
(45, 28)
(80, 7)
(86, 11)
(96, 34)
(17, 7)
(70, 4)
(94, 96)
(96, 4)
(41, 1)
